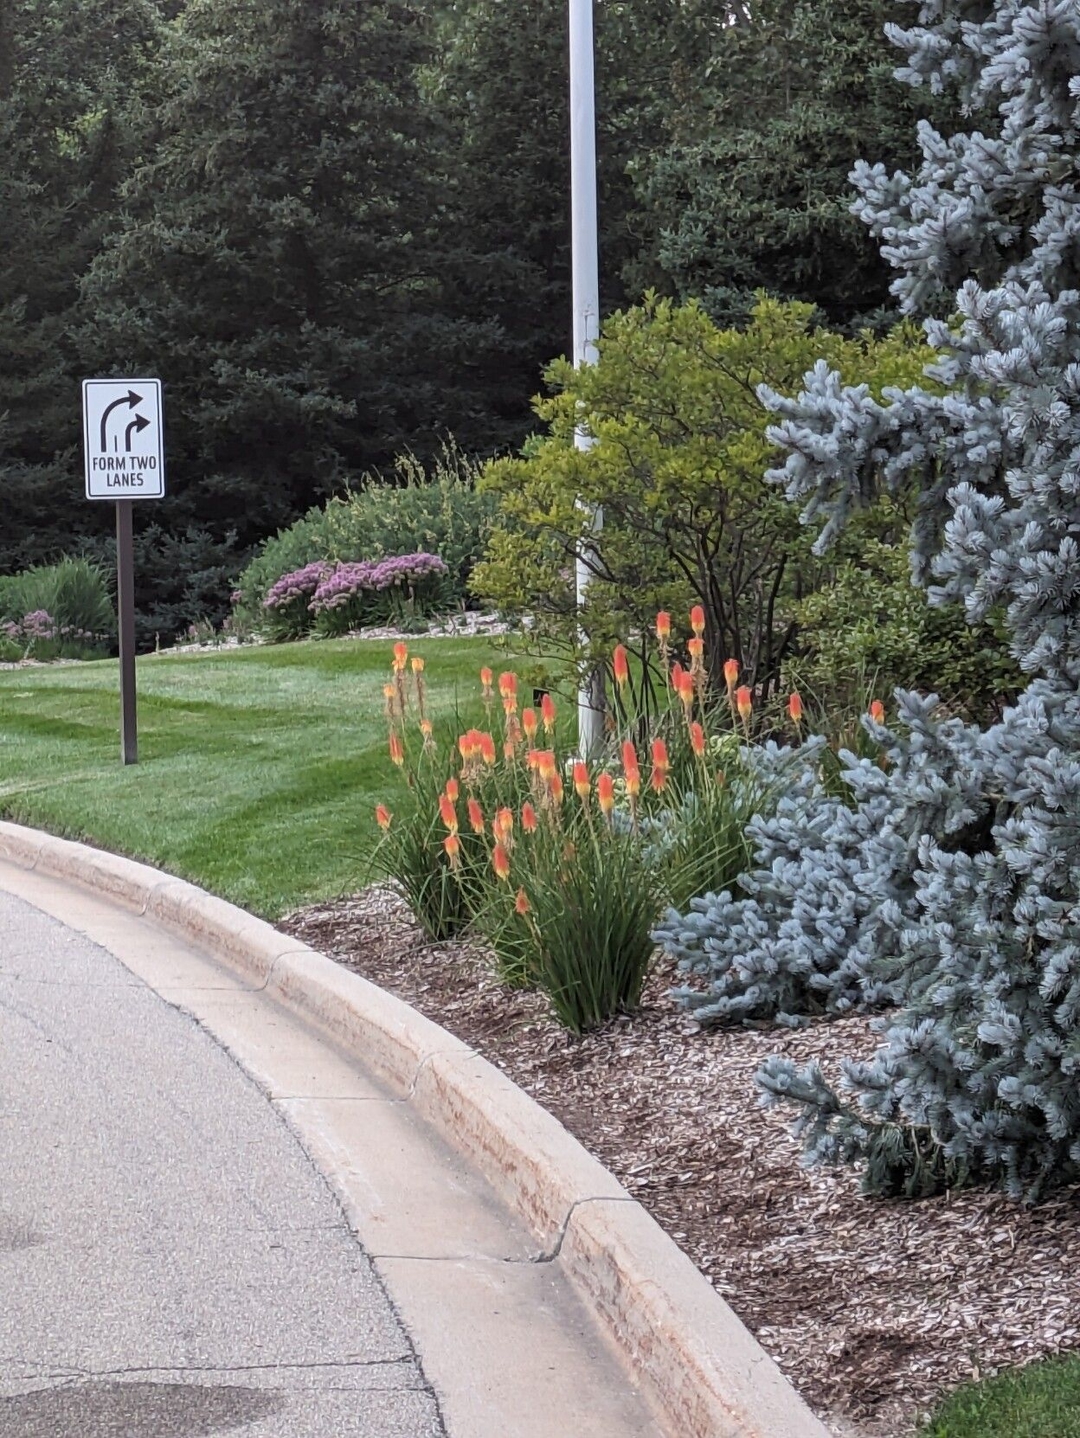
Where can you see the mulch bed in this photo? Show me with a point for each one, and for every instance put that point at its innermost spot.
(871, 1308)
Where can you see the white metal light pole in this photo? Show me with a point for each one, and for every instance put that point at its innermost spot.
(586, 286)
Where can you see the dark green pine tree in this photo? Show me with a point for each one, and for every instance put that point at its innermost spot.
(274, 262)
(66, 74)
(751, 188)
(501, 86)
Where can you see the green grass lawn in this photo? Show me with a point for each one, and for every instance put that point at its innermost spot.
(1040, 1401)
(259, 768)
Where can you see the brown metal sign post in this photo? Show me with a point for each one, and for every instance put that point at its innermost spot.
(125, 607)
(124, 452)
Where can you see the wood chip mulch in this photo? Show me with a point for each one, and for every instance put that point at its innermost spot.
(871, 1308)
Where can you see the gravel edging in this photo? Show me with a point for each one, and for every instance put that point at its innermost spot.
(872, 1308)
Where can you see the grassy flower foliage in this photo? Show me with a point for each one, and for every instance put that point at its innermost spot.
(565, 865)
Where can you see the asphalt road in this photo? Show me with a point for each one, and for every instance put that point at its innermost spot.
(171, 1265)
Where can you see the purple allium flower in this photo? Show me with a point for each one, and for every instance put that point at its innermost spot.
(298, 584)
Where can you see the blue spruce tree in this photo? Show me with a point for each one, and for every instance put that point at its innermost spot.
(966, 897)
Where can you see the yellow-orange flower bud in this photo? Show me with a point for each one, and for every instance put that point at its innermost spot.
(401, 653)
(631, 771)
(605, 793)
(697, 620)
(417, 664)
(555, 788)
(547, 712)
(581, 780)
(397, 749)
(877, 712)
(500, 862)
(452, 846)
(382, 816)
(731, 672)
(486, 679)
(452, 790)
(447, 812)
(529, 723)
(663, 626)
(487, 748)
(697, 738)
(507, 686)
(476, 817)
(621, 665)
(547, 765)
(794, 707)
(744, 702)
(503, 825)
(521, 903)
(528, 818)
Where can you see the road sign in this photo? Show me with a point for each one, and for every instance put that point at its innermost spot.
(123, 439)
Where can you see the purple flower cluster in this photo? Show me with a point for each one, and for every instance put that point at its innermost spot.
(39, 624)
(373, 575)
(298, 584)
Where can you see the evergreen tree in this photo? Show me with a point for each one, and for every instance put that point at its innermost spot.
(501, 87)
(976, 1077)
(66, 72)
(274, 263)
(751, 187)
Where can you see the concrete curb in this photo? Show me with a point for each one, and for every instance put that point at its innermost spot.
(701, 1370)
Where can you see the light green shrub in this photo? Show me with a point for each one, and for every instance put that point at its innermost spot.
(436, 510)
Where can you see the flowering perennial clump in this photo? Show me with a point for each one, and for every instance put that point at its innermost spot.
(298, 584)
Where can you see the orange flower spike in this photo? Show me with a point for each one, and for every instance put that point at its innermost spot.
(663, 626)
(426, 730)
(382, 816)
(697, 620)
(555, 787)
(401, 654)
(795, 709)
(686, 691)
(877, 712)
(528, 818)
(452, 847)
(581, 780)
(447, 813)
(697, 739)
(476, 816)
(500, 862)
(547, 713)
(397, 749)
(504, 826)
(744, 702)
(621, 666)
(452, 790)
(731, 673)
(529, 723)
(532, 758)
(630, 769)
(677, 672)
(417, 664)
(521, 903)
(605, 794)
(696, 648)
(507, 686)
(487, 749)
(547, 765)
(661, 765)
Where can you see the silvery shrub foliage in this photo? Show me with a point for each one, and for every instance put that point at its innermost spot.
(965, 895)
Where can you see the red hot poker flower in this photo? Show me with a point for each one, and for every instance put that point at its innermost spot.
(731, 673)
(621, 666)
(697, 620)
(744, 702)
(581, 780)
(877, 712)
(547, 712)
(663, 626)
(697, 739)
(500, 862)
(631, 771)
(605, 793)
(382, 816)
(476, 816)
(794, 708)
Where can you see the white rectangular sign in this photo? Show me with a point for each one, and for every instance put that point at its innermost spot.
(123, 439)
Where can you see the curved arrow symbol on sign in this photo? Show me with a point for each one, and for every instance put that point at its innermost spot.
(138, 424)
(131, 399)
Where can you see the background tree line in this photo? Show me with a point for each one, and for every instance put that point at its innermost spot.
(340, 230)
